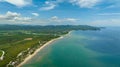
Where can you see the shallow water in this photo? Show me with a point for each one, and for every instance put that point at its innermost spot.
(81, 49)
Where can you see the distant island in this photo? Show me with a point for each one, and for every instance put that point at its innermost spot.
(18, 42)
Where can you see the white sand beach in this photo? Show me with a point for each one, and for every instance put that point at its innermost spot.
(37, 50)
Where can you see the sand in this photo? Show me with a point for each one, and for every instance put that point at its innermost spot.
(39, 49)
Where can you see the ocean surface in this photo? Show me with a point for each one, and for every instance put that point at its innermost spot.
(81, 49)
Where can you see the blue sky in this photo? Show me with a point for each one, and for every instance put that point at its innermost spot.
(60, 12)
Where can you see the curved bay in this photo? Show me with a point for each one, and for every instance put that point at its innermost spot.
(81, 49)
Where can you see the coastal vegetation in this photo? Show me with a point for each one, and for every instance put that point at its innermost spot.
(0, 53)
(19, 41)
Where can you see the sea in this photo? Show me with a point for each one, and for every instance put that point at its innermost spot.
(89, 48)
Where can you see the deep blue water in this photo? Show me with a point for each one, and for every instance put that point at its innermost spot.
(81, 49)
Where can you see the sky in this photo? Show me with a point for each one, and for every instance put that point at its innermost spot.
(60, 12)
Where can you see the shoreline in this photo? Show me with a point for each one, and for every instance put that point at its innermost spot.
(2, 56)
(37, 50)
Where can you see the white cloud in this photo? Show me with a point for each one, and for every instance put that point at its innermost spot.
(105, 14)
(85, 3)
(54, 18)
(17, 18)
(112, 3)
(71, 19)
(57, 19)
(14, 17)
(35, 14)
(49, 5)
(18, 3)
(106, 22)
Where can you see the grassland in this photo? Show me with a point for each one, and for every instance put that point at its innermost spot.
(0, 53)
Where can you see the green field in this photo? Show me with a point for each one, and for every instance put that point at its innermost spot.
(0, 53)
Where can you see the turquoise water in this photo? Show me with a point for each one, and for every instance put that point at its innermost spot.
(81, 49)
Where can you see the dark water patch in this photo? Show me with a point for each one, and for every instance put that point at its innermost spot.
(112, 61)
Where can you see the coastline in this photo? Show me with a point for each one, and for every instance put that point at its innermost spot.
(2, 56)
(37, 50)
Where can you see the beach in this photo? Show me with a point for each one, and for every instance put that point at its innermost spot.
(37, 50)
(81, 49)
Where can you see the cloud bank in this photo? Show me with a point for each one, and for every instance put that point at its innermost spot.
(81, 3)
(18, 3)
(14, 17)
(35, 14)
